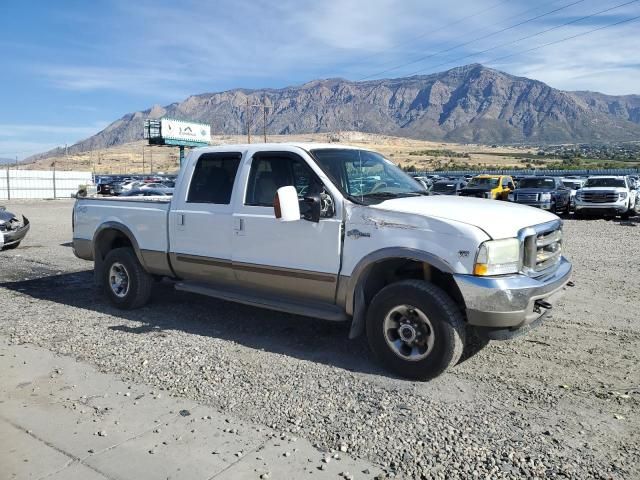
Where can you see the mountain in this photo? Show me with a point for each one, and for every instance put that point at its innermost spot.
(472, 103)
(5, 161)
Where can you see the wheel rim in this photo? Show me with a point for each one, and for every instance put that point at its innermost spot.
(119, 280)
(408, 333)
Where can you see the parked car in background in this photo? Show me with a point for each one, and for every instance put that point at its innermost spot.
(606, 195)
(448, 187)
(489, 186)
(424, 181)
(12, 229)
(148, 192)
(548, 193)
(573, 184)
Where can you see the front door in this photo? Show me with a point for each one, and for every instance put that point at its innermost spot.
(299, 258)
(201, 222)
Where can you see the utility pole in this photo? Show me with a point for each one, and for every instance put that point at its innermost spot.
(264, 108)
(142, 158)
(248, 121)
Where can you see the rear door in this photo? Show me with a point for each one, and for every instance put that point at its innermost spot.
(300, 258)
(200, 222)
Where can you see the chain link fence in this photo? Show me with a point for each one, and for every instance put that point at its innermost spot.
(15, 184)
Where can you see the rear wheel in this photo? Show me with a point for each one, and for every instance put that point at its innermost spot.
(126, 283)
(415, 329)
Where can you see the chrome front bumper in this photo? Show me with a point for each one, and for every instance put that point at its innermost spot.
(509, 301)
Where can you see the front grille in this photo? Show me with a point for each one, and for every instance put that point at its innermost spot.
(542, 248)
(527, 197)
(599, 197)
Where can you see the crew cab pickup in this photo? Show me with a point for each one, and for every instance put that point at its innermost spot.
(337, 233)
(606, 196)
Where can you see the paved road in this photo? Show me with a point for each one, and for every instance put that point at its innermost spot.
(61, 419)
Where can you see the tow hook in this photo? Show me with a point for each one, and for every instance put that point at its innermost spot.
(542, 304)
(571, 284)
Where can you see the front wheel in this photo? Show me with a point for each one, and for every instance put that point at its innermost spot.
(415, 329)
(11, 247)
(126, 283)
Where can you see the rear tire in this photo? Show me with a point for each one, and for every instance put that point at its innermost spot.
(126, 283)
(415, 329)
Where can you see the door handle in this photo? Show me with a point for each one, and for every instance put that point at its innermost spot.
(238, 224)
(180, 219)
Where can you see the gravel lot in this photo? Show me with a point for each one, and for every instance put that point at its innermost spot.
(563, 401)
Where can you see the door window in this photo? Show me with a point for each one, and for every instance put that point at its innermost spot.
(213, 178)
(270, 171)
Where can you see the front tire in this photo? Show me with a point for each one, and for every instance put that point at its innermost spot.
(11, 247)
(126, 283)
(415, 329)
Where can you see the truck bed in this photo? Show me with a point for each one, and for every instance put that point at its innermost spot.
(146, 217)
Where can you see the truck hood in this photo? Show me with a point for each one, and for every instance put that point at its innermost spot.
(603, 189)
(497, 218)
(533, 190)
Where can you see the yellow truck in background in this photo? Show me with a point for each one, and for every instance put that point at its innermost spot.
(496, 187)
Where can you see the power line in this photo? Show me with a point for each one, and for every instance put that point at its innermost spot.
(582, 34)
(537, 34)
(502, 30)
(431, 32)
(537, 7)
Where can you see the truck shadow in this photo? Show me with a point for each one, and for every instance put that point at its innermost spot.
(295, 336)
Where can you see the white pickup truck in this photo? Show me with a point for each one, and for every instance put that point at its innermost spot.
(606, 195)
(337, 233)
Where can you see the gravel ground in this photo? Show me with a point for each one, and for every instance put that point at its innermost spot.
(562, 401)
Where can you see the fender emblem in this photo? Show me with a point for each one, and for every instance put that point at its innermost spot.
(463, 253)
(357, 234)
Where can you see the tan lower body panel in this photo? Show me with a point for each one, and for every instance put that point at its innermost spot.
(295, 283)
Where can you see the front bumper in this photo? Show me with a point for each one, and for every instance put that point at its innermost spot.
(601, 208)
(509, 301)
(10, 237)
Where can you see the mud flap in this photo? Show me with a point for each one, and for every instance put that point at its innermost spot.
(359, 314)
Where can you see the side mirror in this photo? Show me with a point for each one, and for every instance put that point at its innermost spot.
(285, 204)
(313, 207)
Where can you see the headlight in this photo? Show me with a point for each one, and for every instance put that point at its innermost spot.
(545, 197)
(511, 197)
(623, 195)
(498, 257)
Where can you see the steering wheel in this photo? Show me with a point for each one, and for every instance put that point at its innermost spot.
(378, 186)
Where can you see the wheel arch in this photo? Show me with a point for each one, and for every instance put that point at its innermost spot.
(109, 236)
(385, 266)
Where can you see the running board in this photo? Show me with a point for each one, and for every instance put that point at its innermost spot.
(311, 309)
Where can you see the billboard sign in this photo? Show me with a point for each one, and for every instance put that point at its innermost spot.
(176, 131)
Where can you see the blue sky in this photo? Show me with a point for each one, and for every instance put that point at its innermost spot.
(71, 67)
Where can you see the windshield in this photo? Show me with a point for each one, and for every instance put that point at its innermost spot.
(444, 187)
(483, 182)
(366, 177)
(573, 185)
(537, 183)
(605, 182)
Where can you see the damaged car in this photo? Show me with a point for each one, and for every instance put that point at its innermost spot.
(12, 229)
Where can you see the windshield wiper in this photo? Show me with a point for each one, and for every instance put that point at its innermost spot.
(394, 195)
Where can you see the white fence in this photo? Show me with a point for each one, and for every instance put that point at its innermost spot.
(40, 183)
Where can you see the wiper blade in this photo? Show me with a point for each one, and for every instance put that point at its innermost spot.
(394, 195)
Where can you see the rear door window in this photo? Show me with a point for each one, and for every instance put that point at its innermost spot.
(213, 178)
